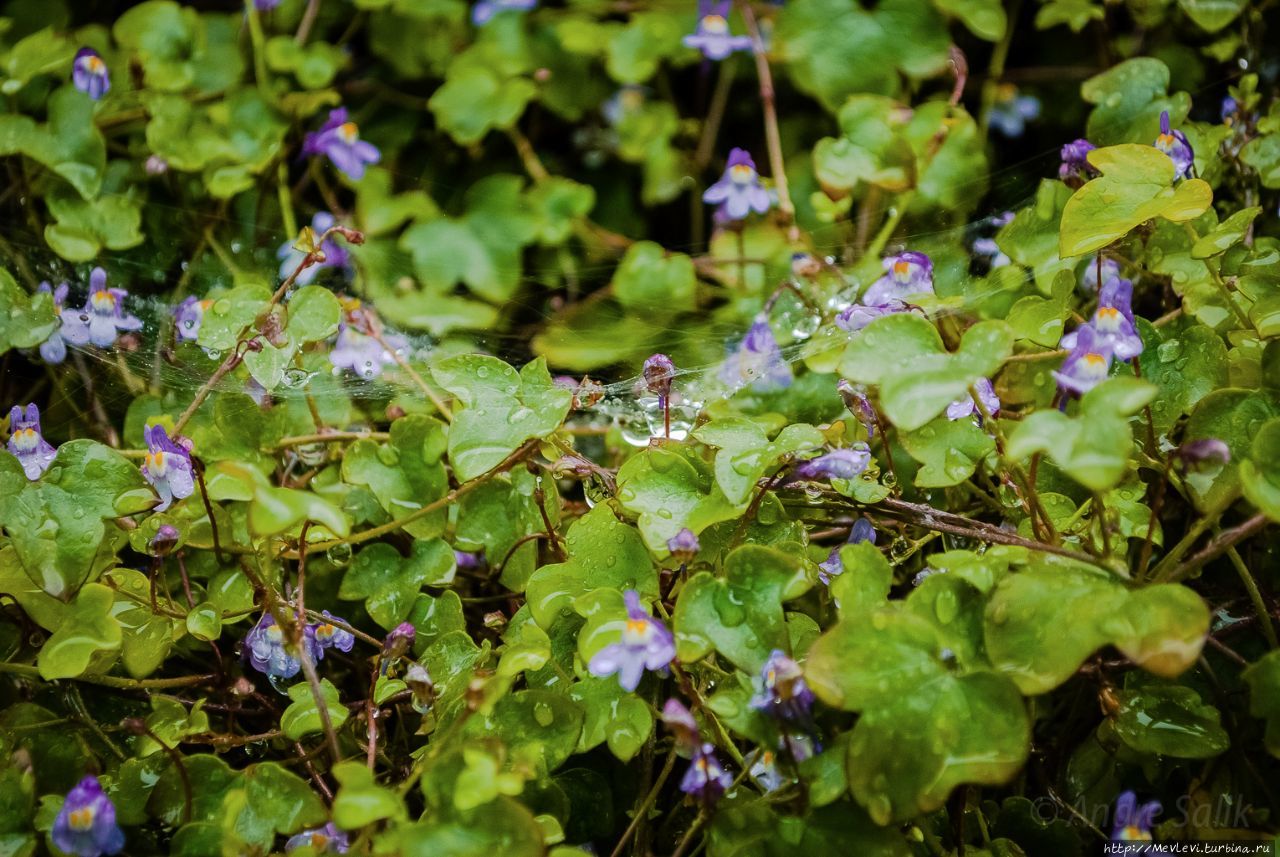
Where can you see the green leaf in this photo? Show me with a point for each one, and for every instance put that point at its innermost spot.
(1136, 185)
(648, 277)
(739, 616)
(540, 728)
(668, 493)
(389, 584)
(923, 378)
(360, 801)
(303, 717)
(84, 227)
(26, 320)
(949, 450)
(178, 48)
(984, 18)
(405, 474)
(475, 100)
(1226, 234)
(1169, 720)
(87, 642)
(274, 801)
(634, 51)
(1130, 98)
(1212, 15)
(500, 409)
(872, 149)
(278, 510)
(603, 553)
(1235, 417)
(746, 455)
(314, 64)
(1031, 238)
(231, 313)
(561, 204)
(1187, 363)
(613, 715)
(1262, 153)
(1260, 474)
(314, 314)
(43, 52)
(1263, 678)
(69, 145)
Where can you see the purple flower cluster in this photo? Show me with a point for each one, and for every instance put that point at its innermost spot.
(86, 824)
(1075, 169)
(646, 644)
(89, 74)
(757, 360)
(27, 444)
(268, 652)
(1175, 144)
(738, 192)
(339, 140)
(706, 780)
(167, 467)
(1110, 334)
(907, 273)
(782, 693)
(712, 35)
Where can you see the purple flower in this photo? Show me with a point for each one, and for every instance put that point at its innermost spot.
(836, 464)
(361, 353)
(164, 541)
(397, 642)
(1175, 145)
(857, 316)
(679, 721)
(1204, 453)
(908, 273)
(267, 651)
(626, 101)
(706, 779)
(335, 255)
(339, 140)
(103, 315)
(167, 467)
(54, 349)
(683, 545)
(321, 840)
(483, 11)
(86, 824)
(861, 531)
(1075, 169)
(965, 406)
(1011, 111)
(265, 5)
(468, 561)
(712, 35)
(659, 372)
(987, 248)
(1112, 325)
(1087, 365)
(1092, 281)
(89, 74)
(757, 360)
(1230, 107)
(187, 318)
(330, 636)
(1133, 823)
(646, 644)
(27, 444)
(781, 691)
(738, 193)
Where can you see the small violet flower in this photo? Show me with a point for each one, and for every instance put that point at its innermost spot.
(103, 315)
(836, 464)
(339, 140)
(908, 273)
(164, 541)
(988, 249)
(1095, 275)
(766, 772)
(1087, 365)
(833, 566)
(646, 644)
(781, 691)
(187, 318)
(706, 779)
(54, 349)
(483, 11)
(335, 255)
(680, 723)
(321, 840)
(1075, 169)
(397, 642)
(27, 444)
(739, 192)
(683, 545)
(855, 399)
(266, 650)
(167, 467)
(361, 353)
(89, 74)
(86, 824)
(623, 103)
(757, 360)
(857, 316)
(712, 36)
(1011, 111)
(658, 374)
(330, 636)
(1176, 146)
(1112, 325)
(265, 5)
(1204, 453)
(965, 406)
(1133, 823)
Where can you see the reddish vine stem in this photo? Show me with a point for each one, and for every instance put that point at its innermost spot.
(773, 138)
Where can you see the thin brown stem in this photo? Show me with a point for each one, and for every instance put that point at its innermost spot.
(773, 139)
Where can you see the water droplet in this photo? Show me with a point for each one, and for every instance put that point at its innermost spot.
(221, 307)
(945, 606)
(543, 714)
(339, 554)
(519, 415)
(294, 377)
